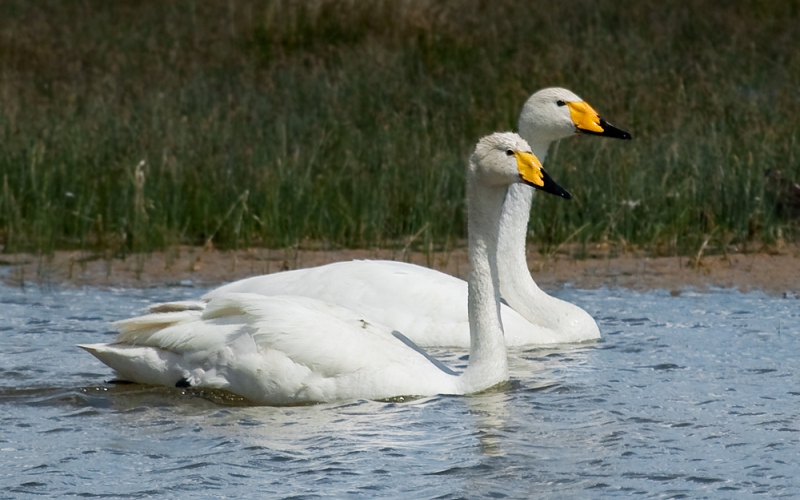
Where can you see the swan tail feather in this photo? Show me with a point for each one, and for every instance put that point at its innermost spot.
(139, 329)
(145, 365)
(232, 305)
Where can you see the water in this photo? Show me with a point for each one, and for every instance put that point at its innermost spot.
(685, 397)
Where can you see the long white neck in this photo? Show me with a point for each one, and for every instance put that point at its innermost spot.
(516, 285)
(488, 363)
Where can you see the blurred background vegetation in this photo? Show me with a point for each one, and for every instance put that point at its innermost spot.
(136, 125)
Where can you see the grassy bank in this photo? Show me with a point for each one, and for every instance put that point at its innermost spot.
(128, 126)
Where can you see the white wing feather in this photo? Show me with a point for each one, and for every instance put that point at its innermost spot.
(273, 350)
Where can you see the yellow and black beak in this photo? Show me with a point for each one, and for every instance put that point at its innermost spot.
(532, 174)
(588, 121)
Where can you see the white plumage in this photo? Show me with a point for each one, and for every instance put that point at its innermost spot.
(429, 306)
(293, 349)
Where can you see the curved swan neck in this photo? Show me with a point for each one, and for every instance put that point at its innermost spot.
(488, 364)
(516, 285)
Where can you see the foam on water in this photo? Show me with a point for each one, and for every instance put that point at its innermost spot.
(687, 396)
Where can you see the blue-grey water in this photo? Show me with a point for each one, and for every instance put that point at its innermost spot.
(694, 396)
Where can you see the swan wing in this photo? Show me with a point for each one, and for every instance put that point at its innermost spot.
(273, 350)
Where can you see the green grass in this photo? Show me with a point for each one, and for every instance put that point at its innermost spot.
(348, 123)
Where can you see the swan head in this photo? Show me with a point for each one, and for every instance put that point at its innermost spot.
(555, 113)
(505, 158)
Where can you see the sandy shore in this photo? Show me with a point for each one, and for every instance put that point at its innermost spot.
(775, 270)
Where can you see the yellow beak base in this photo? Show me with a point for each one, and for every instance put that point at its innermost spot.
(585, 117)
(532, 173)
(530, 168)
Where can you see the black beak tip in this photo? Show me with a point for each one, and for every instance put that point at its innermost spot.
(551, 187)
(614, 132)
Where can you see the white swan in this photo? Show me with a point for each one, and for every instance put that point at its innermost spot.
(548, 115)
(429, 306)
(289, 349)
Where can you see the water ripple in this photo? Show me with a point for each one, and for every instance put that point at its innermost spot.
(684, 397)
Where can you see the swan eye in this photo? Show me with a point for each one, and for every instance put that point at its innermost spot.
(561, 103)
(509, 152)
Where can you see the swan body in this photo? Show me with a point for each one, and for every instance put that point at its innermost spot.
(288, 349)
(429, 306)
(273, 350)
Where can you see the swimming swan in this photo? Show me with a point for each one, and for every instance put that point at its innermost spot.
(549, 115)
(430, 307)
(289, 349)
